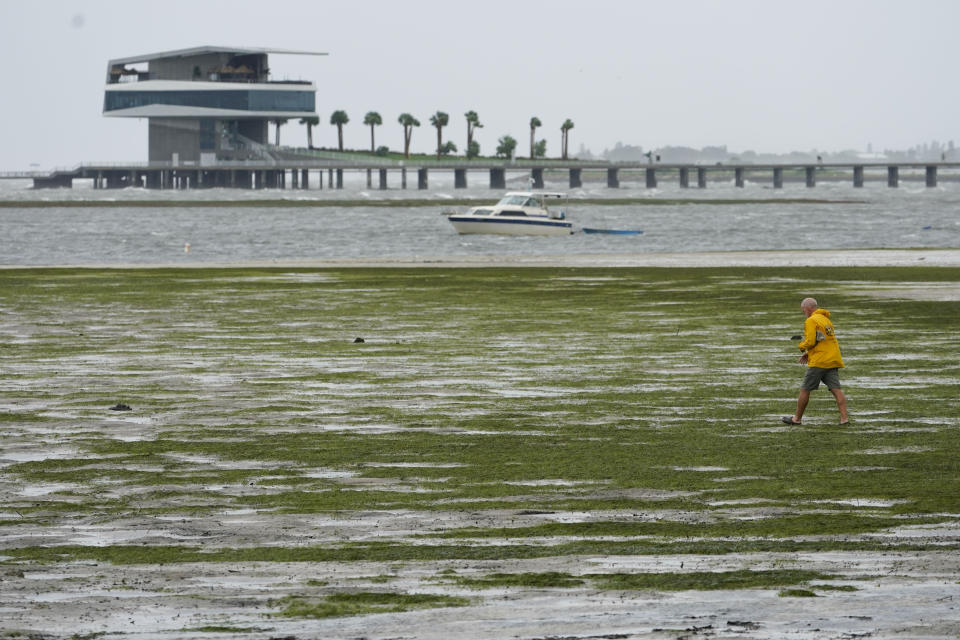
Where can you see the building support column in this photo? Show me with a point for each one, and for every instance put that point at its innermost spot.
(459, 178)
(305, 179)
(684, 178)
(858, 176)
(613, 178)
(701, 178)
(422, 178)
(893, 176)
(811, 177)
(931, 175)
(651, 178)
(778, 178)
(330, 178)
(536, 175)
(576, 181)
(498, 179)
(339, 178)
(294, 179)
(383, 179)
(370, 179)
(403, 178)
(738, 177)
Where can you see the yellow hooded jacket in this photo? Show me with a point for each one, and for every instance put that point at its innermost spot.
(819, 341)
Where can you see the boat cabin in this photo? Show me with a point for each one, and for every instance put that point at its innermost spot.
(523, 203)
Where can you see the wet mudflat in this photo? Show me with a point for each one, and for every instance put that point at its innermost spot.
(510, 452)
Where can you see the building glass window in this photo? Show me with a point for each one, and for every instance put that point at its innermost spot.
(253, 100)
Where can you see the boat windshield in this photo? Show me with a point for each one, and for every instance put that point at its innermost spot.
(519, 201)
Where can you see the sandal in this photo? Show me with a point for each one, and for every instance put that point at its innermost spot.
(789, 420)
(843, 422)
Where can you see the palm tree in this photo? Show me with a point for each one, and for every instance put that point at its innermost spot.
(565, 131)
(439, 120)
(338, 119)
(534, 123)
(372, 119)
(473, 122)
(408, 122)
(311, 122)
(506, 147)
(279, 122)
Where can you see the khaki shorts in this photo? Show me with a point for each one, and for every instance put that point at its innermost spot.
(816, 375)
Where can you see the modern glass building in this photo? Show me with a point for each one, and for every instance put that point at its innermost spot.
(206, 104)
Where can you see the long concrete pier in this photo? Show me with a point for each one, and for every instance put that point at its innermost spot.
(311, 174)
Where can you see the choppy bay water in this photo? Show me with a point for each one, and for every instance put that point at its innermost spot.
(911, 216)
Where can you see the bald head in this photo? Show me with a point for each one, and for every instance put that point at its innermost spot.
(808, 306)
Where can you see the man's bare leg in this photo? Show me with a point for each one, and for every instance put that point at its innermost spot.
(802, 401)
(841, 404)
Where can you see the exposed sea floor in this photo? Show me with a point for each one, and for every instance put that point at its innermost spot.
(873, 217)
(509, 453)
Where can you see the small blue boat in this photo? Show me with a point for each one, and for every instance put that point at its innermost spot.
(619, 232)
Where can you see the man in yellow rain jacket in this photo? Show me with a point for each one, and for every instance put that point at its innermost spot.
(821, 354)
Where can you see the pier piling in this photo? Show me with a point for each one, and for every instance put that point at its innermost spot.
(498, 179)
(613, 178)
(536, 175)
(651, 178)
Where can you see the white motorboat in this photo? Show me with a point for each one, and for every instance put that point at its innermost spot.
(518, 213)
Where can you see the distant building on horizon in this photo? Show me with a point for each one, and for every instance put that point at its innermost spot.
(206, 104)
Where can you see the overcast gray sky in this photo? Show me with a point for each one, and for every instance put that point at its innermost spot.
(750, 74)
